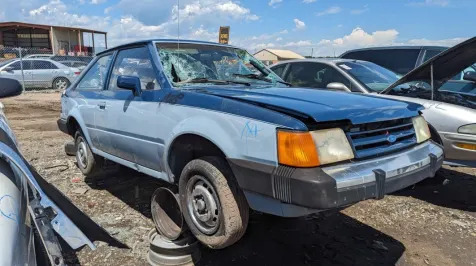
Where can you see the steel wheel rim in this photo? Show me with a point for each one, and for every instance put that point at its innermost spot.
(82, 154)
(203, 205)
(61, 84)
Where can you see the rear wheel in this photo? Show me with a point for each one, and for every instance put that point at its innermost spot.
(61, 83)
(213, 205)
(88, 163)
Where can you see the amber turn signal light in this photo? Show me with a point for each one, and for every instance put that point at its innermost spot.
(466, 146)
(297, 149)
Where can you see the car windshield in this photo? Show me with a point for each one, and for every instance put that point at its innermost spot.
(3, 63)
(373, 76)
(189, 64)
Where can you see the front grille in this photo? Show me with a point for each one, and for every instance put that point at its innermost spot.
(379, 138)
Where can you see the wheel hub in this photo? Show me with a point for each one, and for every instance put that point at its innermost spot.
(82, 155)
(203, 205)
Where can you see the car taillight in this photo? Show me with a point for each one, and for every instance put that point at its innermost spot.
(77, 73)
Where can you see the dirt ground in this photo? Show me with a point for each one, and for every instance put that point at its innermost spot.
(432, 223)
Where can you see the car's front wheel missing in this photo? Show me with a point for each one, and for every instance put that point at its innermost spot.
(88, 163)
(213, 205)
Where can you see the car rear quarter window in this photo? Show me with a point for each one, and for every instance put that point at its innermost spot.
(95, 76)
(134, 62)
(400, 61)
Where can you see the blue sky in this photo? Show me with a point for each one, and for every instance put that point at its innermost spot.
(325, 26)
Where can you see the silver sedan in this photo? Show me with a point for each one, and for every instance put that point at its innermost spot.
(452, 116)
(39, 73)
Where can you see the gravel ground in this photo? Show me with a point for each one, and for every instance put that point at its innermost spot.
(432, 223)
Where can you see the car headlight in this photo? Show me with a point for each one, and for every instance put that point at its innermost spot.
(422, 130)
(311, 149)
(467, 129)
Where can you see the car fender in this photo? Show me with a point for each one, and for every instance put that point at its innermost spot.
(74, 113)
(236, 136)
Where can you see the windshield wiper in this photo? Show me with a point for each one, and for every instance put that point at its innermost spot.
(214, 81)
(258, 77)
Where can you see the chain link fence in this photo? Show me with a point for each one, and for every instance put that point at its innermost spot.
(38, 68)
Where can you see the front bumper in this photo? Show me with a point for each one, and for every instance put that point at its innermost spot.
(455, 155)
(329, 187)
(62, 125)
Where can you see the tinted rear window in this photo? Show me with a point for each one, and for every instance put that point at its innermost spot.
(400, 61)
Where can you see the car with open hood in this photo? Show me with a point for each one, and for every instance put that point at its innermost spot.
(228, 134)
(451, 114)
(33, 213)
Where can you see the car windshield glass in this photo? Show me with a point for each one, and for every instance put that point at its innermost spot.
(3, 63)
(187, 64)
(373, 76)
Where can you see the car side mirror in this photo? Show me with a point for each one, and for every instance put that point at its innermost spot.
(8, 69)
(130, 83)
(470, 76)
(10, 87)
(337, 86)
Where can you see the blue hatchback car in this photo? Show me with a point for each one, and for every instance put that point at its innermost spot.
(231, 135)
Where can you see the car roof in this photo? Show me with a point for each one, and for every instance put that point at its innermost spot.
(398, 47)
(163, 41)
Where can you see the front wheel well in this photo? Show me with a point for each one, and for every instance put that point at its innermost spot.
(188, 147)
(72, 126)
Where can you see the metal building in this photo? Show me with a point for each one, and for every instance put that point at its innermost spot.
(53, 39)
(272, 56)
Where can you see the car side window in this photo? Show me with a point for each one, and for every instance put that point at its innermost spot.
(315, 75)
(400, 61)
(430, 53)
(279, 70)
(17, 65)
(95, 78)
(41, 64)
(134, 62)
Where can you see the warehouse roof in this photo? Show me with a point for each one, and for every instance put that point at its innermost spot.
(284, 54)
(42, 26)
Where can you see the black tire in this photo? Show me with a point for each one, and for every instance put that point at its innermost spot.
(61, 83)
(88, 163)
(232, 207)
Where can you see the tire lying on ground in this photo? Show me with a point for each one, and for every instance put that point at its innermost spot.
(162, 251)
(214, 207)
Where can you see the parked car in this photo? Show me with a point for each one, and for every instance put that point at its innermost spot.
(76, 64)
(59, 58)
(39, 73)
(451, 115)
(199, 118)
(32, 212)
(403, 59)
(39, 56)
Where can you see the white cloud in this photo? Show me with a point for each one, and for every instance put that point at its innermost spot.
(443, 42)
(308, 1)
(300, 25)
(273, 3)
(359, 11)
(330, 11)
(298, 44)
(97, 2)
(440, 3)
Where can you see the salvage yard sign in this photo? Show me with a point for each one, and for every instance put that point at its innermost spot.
(224, 34)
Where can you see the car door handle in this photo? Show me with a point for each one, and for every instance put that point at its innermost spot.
(102, 105)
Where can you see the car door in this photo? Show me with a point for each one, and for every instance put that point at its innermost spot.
(16, 72)
(44, 72)
(131, 121)
(90, 100)
(315, 75)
